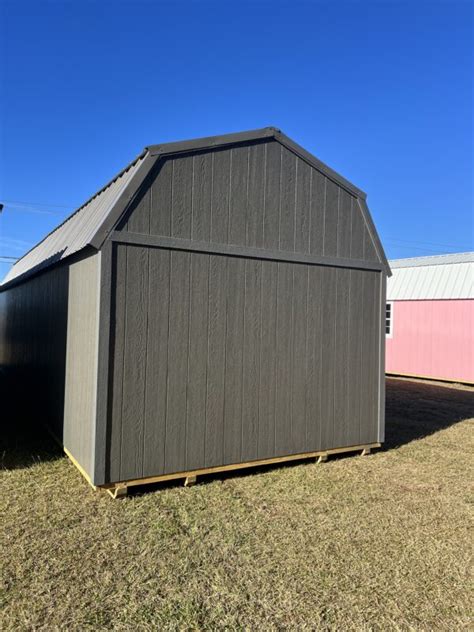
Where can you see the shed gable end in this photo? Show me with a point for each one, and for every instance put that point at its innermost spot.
(259, 195)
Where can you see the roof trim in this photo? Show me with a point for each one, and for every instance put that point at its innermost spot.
(374, 235)
(211, 142)
(128, 194)
(317, 164)
(265, 133)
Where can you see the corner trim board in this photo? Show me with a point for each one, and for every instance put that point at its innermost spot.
(105, 306)
(381, 415)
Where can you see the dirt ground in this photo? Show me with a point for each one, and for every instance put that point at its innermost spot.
(382, 542)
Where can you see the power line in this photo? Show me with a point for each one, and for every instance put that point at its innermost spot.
(421, 249)
(427, 243)
(24, 209)
(22, 202)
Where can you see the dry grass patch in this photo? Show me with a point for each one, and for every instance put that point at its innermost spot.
(374, 543)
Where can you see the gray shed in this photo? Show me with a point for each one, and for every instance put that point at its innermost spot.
(218, 304)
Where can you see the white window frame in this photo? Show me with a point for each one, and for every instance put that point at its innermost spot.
(389, 335)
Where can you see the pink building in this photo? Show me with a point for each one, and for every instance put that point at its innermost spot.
(430, 317)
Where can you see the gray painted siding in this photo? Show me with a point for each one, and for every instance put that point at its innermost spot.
(260, 195)
(33, 346)
(81, 361)
(219, 359)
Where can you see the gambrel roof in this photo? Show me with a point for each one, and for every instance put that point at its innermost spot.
(89, 226)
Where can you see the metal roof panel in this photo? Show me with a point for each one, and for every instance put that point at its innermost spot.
(76, 232)
(448, 277)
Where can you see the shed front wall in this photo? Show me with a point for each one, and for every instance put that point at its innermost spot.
(432, 339)
(218, 360)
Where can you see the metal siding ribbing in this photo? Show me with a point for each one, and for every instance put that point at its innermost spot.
(77, 231)
(218, 360)
(425, 282)
(434, 260)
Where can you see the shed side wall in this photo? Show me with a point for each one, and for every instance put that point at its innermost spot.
(219, 360)
(33, 348)
(81, 361)
(259, 195)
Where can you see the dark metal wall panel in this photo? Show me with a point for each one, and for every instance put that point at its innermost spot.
(219, 359)
(258, 194)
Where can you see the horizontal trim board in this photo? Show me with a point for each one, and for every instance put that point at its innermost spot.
(430, 377)
(174, 243)
(239, 466)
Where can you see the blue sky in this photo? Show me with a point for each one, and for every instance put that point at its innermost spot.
(381, 91)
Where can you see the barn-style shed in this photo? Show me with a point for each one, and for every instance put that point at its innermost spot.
(219, 303)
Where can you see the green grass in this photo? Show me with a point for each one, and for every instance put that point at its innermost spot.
(375, 543)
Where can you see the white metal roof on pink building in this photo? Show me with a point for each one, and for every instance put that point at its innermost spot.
(430, 278)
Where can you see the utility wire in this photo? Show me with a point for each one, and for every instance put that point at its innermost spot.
(24, 209)
(22, 203)
(423, 243)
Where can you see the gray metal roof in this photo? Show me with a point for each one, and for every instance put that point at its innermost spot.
(439, 277)
(77, 231)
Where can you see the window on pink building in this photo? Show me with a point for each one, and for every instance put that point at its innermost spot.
(389, 320)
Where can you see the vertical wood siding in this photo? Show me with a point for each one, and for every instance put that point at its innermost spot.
(219, 359)
(81, 361)
(260, 195)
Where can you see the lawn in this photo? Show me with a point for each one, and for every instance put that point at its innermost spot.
(357, 543)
